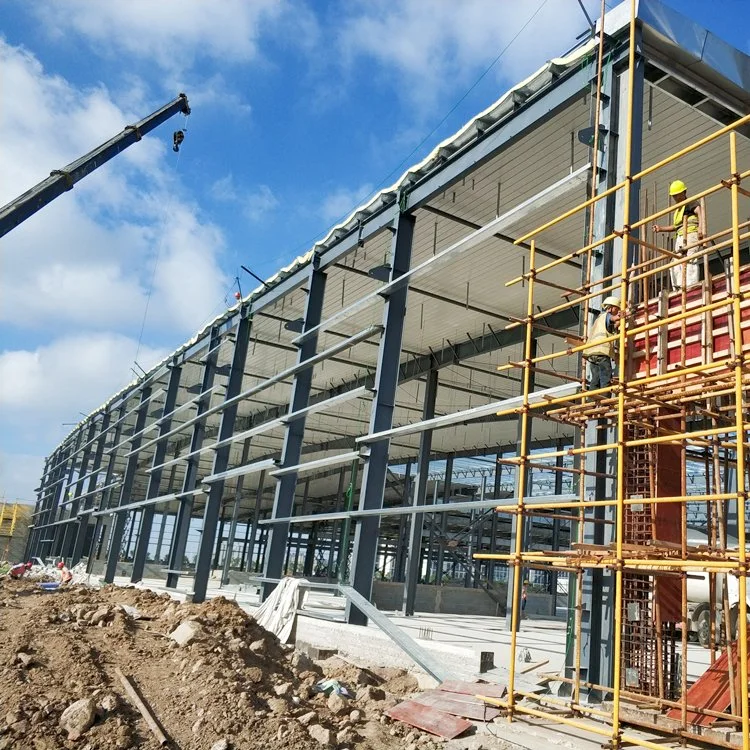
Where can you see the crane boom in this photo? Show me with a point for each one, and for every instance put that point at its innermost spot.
(62, 180)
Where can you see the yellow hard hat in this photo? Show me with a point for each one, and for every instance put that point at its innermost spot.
(611, 302)
(677, 187)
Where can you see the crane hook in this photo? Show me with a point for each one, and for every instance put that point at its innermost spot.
(178, 137)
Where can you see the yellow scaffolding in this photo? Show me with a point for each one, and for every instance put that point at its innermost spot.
(661, 403)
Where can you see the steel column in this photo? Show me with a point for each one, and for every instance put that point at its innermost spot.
(71, 529)
(131, 467)
(154, 480)
(399, 561)
(256, 516)
(83, 524)
(414, 560)
(381, 418)
(447, 489)
(190, 480)
(108, 477)
(522, 450)
(221, 459)
(235, 515)
(597, 614)
(294, 434)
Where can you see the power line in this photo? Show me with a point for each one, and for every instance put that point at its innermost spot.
(424, 140)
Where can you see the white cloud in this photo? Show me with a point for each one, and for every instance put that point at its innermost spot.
(43, 388)
(429, 47)
(255, 203)
(175, 33)
(40, 389)
(87, 259)
(73, 373)
(339, 203)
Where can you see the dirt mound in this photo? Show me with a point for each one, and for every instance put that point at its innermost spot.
(210, 673)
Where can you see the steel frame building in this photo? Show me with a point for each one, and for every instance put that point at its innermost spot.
(397, 342)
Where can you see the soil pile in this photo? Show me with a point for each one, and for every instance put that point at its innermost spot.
(214, 679)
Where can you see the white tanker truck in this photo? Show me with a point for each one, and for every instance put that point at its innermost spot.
(699, 597)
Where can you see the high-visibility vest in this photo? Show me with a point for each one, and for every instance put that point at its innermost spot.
(597, 333)
(692, 220)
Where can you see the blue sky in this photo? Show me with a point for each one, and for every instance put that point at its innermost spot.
(301, 109)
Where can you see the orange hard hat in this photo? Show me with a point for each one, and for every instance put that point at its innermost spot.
(61, 565)
(28, 565)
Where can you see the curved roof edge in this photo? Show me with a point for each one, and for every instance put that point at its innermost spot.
(671, 27)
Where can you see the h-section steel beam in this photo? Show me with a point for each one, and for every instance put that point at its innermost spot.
(118, 525)
(221, 459)
(381, 418)
(154, 480)
(523, 448)
(294, 434)
(59, 530)
(83, 522)
(190, 480)
(235, 516)
(108, 477)
(414, 560)
(70, 530)
(597, 615)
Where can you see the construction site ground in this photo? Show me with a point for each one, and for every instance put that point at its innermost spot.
(234, 685)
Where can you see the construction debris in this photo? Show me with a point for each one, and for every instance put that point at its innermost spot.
(212, 678)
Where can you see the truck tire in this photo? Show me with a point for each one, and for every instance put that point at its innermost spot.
(704, 628)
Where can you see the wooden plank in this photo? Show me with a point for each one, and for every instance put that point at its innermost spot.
(490, 689)
(532, 667)
(458, 705)
(429, 719)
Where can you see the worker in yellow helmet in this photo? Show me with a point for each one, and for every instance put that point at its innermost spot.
(689, 214)
(599, 354)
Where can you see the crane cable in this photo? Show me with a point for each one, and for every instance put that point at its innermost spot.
(159, 248)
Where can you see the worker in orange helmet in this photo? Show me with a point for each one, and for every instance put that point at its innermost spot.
(66, 575)
(685, 241)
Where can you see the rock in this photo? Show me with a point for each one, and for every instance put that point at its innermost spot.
(411, 746)
(99, 616)
(220, 745)
(305, 719)
(12, 717)
(196, 728)
(365, 677)
(355, 716)
(109, 702)
(337, 704)
(321, 734)
(411, 737)
(20, 727)
(345, 735)
(78, 717)
(257, 646)
(283, 690)
(370, 693)
(25, 659)
(186, 632)
(303, 663)
(277, 705)
(426, 681)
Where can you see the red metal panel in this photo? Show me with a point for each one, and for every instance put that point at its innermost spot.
(711, 691)
(491, 690)
(429, 719)
(668, 522)
(458, 705)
